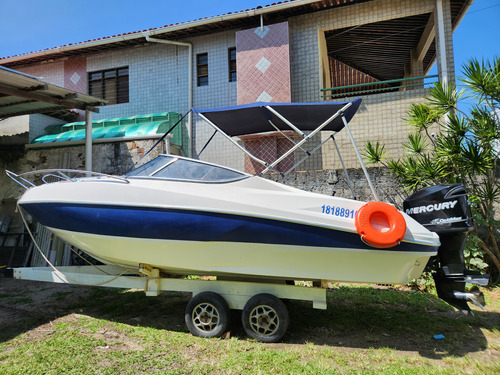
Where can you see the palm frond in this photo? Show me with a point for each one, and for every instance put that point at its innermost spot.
(416, 144)
(444, 96)
(374, 153)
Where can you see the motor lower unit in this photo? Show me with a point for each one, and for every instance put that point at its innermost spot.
(445, 210)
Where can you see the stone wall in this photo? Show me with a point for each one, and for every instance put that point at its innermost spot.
(111, 158)
(120, 157)
(334, 182)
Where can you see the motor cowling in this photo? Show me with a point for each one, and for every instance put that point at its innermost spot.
(445, 209)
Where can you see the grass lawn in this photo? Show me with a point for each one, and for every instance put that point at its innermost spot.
(55, 329)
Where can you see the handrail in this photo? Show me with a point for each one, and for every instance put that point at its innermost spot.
(15, 177)
(61, 173)
(376, 84)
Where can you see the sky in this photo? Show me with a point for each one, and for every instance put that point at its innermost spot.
(33, 25)
(478, 35)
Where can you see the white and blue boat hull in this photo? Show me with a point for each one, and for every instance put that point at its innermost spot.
(251, 228)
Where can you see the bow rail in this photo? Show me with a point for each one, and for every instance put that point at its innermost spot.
(58, 175)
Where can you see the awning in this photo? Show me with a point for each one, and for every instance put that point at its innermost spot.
(22, 94)
(256, 117)
(115, 129)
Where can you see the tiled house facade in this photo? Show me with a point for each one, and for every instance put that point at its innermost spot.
(284, 59)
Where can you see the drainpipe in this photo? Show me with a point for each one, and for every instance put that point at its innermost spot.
(190, 83)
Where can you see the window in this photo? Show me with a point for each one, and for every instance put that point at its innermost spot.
(202, 69)
(231, 59)
(178, 168)
(111, 85)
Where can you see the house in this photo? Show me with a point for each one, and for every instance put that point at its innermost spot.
(291, 51)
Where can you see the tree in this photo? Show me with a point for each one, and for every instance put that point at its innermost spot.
(451, 146)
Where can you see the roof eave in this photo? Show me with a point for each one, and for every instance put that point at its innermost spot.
(158, 31)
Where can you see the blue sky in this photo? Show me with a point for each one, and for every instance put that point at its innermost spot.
(478, 35)
(32, 25)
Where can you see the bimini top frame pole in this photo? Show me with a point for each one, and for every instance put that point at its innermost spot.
(303, 118)
(271, 109)
(233, 141)
(344, 167)
(340, 112)
(308, 154)
(372, 188)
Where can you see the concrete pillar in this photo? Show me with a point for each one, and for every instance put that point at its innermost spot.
(444, 41)
(414, 69)
(324, 70)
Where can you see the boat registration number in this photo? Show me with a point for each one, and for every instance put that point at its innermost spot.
(338, 211)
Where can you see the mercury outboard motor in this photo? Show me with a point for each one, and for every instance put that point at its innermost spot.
(445, 209)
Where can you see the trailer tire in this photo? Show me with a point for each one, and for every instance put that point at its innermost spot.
(207, 315)
(265, 318)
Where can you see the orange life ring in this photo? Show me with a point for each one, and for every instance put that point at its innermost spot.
(380, 225)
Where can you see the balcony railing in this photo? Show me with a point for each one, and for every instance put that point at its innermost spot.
(368, 88)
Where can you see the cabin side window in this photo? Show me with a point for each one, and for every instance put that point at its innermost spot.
(177, 168)
(190, 170)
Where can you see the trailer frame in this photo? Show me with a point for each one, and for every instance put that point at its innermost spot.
(264, 315)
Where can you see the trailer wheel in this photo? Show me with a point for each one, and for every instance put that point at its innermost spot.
(207, 315)
(265, 318)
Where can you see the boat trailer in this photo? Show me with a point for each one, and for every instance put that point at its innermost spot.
(264, 315)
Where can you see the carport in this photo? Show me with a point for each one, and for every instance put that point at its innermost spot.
(24, 94)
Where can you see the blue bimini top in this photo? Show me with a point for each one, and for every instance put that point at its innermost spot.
(255, 118)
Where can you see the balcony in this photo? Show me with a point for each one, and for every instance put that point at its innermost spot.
(377, 87)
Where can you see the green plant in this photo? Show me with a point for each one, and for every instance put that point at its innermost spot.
(423, 284)
(450, 146)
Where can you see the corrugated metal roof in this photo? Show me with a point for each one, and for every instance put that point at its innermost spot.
(22, 94)
(122, 127)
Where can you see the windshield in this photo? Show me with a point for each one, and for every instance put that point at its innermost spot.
(177, 168)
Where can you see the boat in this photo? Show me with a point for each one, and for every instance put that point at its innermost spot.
(186, 216)
(175, 216)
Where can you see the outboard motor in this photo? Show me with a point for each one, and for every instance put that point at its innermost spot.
(445, 209)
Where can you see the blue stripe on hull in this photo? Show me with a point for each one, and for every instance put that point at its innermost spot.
(190, 225)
